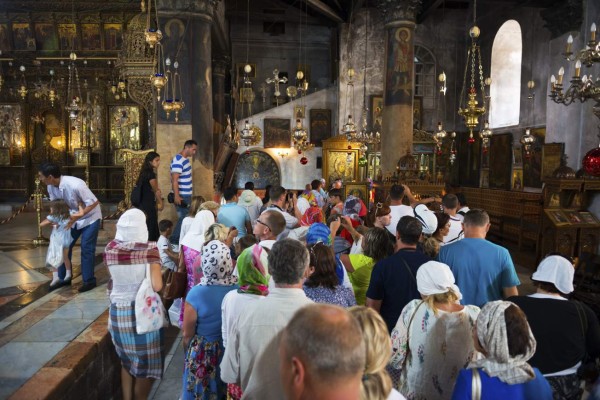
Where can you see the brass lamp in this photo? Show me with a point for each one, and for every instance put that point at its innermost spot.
(476, 96)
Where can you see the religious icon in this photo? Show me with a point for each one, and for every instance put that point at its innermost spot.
(45, 36)
(399, 77)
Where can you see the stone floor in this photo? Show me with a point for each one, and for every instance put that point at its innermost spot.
(35, 325)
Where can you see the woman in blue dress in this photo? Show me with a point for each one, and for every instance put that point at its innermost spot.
(202, 339)
(503, 336)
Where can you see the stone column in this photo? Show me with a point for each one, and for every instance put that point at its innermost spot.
(398, 80)
(219, 69)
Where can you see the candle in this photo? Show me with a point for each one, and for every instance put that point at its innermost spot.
(577, 68)
(593, 32)
(569, 44)
(561, 72)
(584, 79)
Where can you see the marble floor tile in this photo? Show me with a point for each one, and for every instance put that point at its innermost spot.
(54, 330)
(19, 361)
(8, 264)
(166, 389)
(16, 278)
(80, 309)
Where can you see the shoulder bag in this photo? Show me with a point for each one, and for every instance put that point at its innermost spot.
(149, 310)
(174, 282)
(136, 195)
(408, 352)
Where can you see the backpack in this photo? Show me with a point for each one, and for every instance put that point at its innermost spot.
(136, 196)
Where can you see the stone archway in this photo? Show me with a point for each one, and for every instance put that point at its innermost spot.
(256, 166)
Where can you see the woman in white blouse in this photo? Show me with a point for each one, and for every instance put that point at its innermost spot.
(432, 338)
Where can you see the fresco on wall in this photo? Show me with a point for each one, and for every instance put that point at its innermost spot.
(320, 126)
(258, 167)
(45, 36)
(175, 44)
(4, 39)
(113, 36)
(23, 37)
(91, 39)
(67, 36)
(277, 133)
(399, 71)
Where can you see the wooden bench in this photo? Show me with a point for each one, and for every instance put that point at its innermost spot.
(515, 216)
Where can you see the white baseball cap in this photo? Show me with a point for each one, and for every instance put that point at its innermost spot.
(427, 218)
(557, 270)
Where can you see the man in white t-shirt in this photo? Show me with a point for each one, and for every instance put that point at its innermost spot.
(450, 204)
(279, 202)
(399, 210)
(463, 208)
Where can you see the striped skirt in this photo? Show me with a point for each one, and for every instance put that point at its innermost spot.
(141, 355)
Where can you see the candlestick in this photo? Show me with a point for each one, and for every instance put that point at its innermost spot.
(593, 32)
(569, 44)
(561, 72)
(577, 69)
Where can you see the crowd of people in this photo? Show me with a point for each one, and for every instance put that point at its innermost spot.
(313, 295)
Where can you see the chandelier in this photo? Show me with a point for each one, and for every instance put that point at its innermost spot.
(73, 105)
(172, 103)
(469, 107)
(300, 138)
(582, 89)
(152, 34)
(23, 84)
(158, 79)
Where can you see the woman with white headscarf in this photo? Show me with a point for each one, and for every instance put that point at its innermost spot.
(503, 336)
(564, 339)
(432, 339)
(126, 258)
(202, 338)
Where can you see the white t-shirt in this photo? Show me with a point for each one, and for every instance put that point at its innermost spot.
(395, 395)
(397, 213)
(291, 222)
(456, 231)
(163, 243)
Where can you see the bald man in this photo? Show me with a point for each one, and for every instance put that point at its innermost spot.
(322, 355)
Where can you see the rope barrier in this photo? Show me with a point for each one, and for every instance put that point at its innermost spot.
(114, 215)
(19, 211)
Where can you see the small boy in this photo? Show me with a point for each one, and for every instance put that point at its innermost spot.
(168, 257)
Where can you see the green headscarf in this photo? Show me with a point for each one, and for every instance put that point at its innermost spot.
(253, 271)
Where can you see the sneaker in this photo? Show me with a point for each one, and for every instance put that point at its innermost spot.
(57, 285)
(86, 286)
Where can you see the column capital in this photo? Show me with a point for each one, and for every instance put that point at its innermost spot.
(220, 64)
(195, 7)
(395, 11)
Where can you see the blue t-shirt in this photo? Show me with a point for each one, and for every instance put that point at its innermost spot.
(493, 388)
(231, 214)
(206, 300)
(481, 269)
(393, 284)
(181, 165)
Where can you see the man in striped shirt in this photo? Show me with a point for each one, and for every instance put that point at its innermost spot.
(181, 182)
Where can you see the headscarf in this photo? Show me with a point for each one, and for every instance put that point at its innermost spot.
(318, 232)
(217, 265)
(311, 216)
(310, 198)
(194, 238)
(491, 332)
(351, 206)
(302, 205)
(435, 278)
(556, 270)
(427, 218)
(253, 271)
(131, 226)
(131, 244)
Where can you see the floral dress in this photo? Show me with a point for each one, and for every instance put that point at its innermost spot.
(440, 346)
(193, 267)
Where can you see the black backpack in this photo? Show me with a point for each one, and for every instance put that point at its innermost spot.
(136, 196)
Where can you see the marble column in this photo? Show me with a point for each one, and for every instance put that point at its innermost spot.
(398, 81)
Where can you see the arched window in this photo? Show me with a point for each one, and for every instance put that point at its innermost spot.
(505, 91)
(425, 77)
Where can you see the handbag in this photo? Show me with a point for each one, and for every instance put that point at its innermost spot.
(149, 309)
(589, 370)
(136, 195)
(175, 283)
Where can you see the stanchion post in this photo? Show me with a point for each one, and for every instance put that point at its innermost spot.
(40, 239)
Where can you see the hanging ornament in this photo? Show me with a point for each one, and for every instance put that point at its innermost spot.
(591, 162)
(485, 135)
(527, 141)
(304, 161)
(452, 157)
(439, 137)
